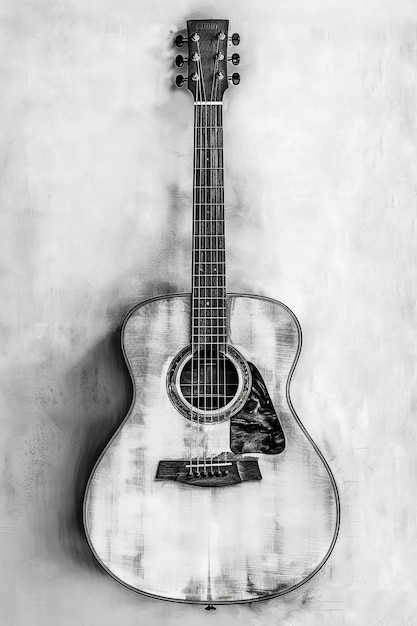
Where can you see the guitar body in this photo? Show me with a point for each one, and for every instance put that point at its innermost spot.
(209, 544)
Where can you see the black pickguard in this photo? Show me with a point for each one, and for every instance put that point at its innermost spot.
(256, 427)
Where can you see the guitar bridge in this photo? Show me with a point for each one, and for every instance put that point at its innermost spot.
(207, 474)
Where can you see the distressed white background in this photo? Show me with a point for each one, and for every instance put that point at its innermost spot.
(95, 214)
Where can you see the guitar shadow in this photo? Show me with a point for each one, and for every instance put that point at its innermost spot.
(101, 390)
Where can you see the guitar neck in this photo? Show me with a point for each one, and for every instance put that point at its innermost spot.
(208, 262)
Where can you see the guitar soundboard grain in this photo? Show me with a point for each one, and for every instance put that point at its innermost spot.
(240, 543)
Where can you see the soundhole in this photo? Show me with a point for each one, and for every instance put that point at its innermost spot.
(210, 384)
(209, 380)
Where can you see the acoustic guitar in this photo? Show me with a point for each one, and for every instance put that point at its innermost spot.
(211, 490)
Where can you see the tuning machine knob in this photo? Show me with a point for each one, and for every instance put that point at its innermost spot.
(235, 39)
(180, 80)
(180, 40)
(235, 58)
(180, 60)
(235, 78)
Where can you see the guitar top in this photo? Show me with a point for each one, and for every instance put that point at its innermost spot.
(211, 491)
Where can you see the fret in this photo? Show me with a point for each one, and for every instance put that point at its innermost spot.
(208, 286)
(204, 268)
(213, 272)
(205, 285)
(208, 131)
(216, 301)
(209, 251)
(201, 329)
(207, 340)
(207, 226)
(208, 328)
(215, 335)
(217, 287)
(210, 309)
(214, 317)
(210, 214)
(214, 323)
(209, 331)
(206, 160)
(209, 177)
(209, 142)
(207, 321)
(211, 338)
(208, 196)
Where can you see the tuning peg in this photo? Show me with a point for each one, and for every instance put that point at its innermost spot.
(235, 58)
(180, 41)
(180, 80)
(179, 60)
(235, 78)
(235, 39)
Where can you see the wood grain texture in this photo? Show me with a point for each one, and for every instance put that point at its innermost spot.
(241, 543)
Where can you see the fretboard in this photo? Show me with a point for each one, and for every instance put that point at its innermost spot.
(208, 265)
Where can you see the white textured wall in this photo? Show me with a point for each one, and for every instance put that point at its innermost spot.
(95, 215)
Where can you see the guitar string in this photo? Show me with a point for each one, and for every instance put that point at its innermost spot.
(213, 222)
(220, 292)
(195, 347)
(210, 210)
(223, 279)
(202, 98)
(200, 279)
(217, 225)
(193, 291)
(217, 332)
(204, 228)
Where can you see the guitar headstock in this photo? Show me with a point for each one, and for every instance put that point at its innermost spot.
(207, 59)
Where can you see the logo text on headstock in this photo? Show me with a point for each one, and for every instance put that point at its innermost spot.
(206, 25)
